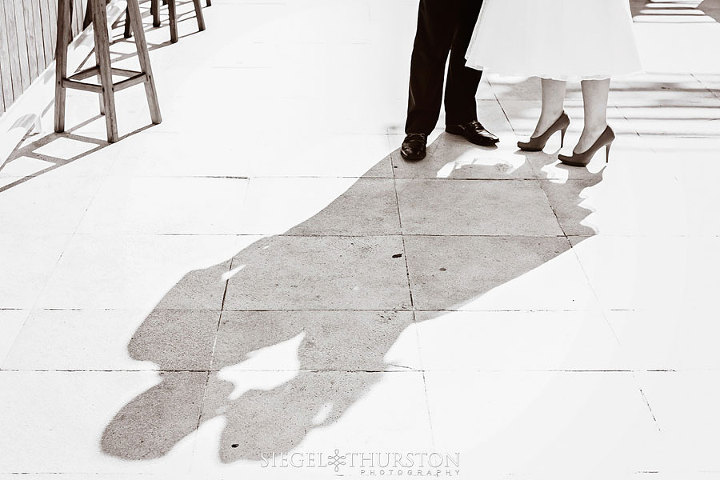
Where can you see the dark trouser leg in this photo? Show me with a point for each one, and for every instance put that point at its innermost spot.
(437, 21)
(462, 82)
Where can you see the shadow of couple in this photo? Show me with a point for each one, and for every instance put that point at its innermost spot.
(335, 293)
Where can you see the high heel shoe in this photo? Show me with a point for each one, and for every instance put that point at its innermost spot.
(582, 159)
(536, 144)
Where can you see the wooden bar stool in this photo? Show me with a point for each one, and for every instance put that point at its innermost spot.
(172, 11)
(103, 68)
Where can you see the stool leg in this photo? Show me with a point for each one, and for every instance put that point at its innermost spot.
(155, 10)
(144, 59)
(101, 97)
(172, 8)
(63, 37)
(128, 31)
(199, 15)
(102, 55)
(87, 19)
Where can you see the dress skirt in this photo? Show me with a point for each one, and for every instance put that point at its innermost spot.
(558, 39)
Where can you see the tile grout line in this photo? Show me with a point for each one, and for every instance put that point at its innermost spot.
(412, 303)
(555, 214)
(395, 370)
(607, 322)
(427, 234)
(708, 89)
(212, 351)
(402, 237)
(647, 403)
(633, 371)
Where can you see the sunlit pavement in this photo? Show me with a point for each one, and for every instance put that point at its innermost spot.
(261, 287)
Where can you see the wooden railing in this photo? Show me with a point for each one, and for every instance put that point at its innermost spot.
(27, 42)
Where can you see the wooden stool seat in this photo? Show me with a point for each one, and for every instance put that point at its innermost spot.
(103, 68)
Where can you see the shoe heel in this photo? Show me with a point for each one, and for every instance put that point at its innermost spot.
(562, 137)
(607, 152)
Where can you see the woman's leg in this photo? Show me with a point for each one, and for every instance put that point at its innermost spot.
(595, 100)
(553, 97)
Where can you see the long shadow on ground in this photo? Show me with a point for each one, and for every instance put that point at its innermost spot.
(335, 288)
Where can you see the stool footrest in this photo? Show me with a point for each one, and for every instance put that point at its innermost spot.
(90, 87)
(139, 77)
(134, 77)
(83, 74)
(123, 72)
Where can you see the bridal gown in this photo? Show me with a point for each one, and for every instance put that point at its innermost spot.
(558, 39)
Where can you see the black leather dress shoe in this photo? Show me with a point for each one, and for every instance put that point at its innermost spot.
(474, 132)
(413, 147)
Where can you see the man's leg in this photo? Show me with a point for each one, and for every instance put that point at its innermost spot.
(462, 82)
(437, 22)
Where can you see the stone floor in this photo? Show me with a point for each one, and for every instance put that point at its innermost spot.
(263, 274)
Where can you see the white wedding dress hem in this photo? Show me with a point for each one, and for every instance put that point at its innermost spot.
(564, 77)
(558, 39)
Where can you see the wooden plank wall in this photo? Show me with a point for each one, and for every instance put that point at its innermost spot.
(27, 42)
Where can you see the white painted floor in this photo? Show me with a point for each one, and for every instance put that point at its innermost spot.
(262, 274)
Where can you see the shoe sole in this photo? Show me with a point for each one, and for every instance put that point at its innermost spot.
(412, 159)
(485, 143)
(572, 164)
(525, 149)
